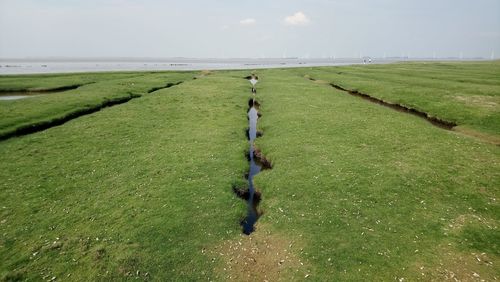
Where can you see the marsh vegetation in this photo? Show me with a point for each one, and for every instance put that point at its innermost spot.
(143, 189)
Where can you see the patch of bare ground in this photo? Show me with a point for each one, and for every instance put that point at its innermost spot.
(451, 264)
(261, 256)
(482, 101)
(488, 138)
(454, 265)
(459, 222)
(206, 72)
(319, 81)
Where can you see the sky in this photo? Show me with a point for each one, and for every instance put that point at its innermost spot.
(249, 29)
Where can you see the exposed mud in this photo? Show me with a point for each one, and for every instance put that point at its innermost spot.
(263, 256)
(257, 133)
(40, 126)
(170, 84)
(484, 137)
(249, 77)
(250, 104)
(244, 193)
(261, 160)
(253, 103)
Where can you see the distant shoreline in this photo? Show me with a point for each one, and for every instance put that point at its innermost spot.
(76, 65)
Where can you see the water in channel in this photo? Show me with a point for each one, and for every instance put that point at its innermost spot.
(14, 97)
(252, 216)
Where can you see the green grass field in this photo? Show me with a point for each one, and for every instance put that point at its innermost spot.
(96, 90)
(143, 190)
(464, 93)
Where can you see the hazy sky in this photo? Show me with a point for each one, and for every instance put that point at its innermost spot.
(255, 28)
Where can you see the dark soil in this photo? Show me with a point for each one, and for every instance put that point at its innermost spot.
(163, 87)
(259, 157)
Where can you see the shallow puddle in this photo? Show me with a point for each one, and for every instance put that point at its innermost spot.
(14, 97)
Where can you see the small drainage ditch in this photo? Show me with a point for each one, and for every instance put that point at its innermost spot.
(168, 85)
(400, 108)
(444, 124)
(257, 163)
(43, 125)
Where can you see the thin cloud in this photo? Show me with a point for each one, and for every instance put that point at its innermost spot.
(297, 19)
(248, 21)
